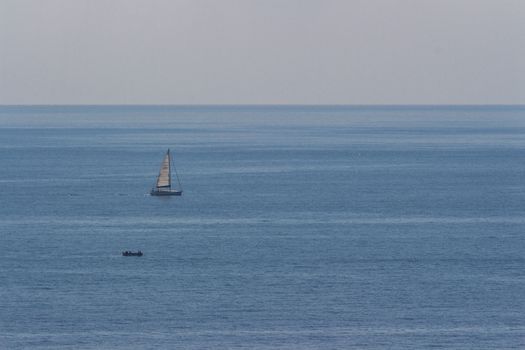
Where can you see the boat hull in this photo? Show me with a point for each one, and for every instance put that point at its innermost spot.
(128, 253)
(165, 193)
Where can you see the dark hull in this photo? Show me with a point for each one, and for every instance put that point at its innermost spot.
(132, 254)
(165, 193)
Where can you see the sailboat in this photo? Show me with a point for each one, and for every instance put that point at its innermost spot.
(163, 185)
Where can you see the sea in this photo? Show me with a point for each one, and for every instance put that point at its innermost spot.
(300, 227)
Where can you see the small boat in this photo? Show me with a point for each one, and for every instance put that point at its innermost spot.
(163, 185)
(130, 253)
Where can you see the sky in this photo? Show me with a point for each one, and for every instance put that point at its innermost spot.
(262, 52)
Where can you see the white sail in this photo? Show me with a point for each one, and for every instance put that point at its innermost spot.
(164, 179)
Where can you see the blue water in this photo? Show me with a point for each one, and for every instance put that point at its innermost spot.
(299, 228)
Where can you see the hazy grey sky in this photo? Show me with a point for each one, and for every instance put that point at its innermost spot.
(262, 51)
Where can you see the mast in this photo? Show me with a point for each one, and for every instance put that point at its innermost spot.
(169, 172)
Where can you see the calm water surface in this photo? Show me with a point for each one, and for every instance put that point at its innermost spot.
(299, 228)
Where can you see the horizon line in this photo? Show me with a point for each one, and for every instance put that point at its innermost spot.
(262, 105)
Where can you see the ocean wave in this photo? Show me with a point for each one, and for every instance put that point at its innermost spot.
(163, 221)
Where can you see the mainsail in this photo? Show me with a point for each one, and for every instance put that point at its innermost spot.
(164, 178)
